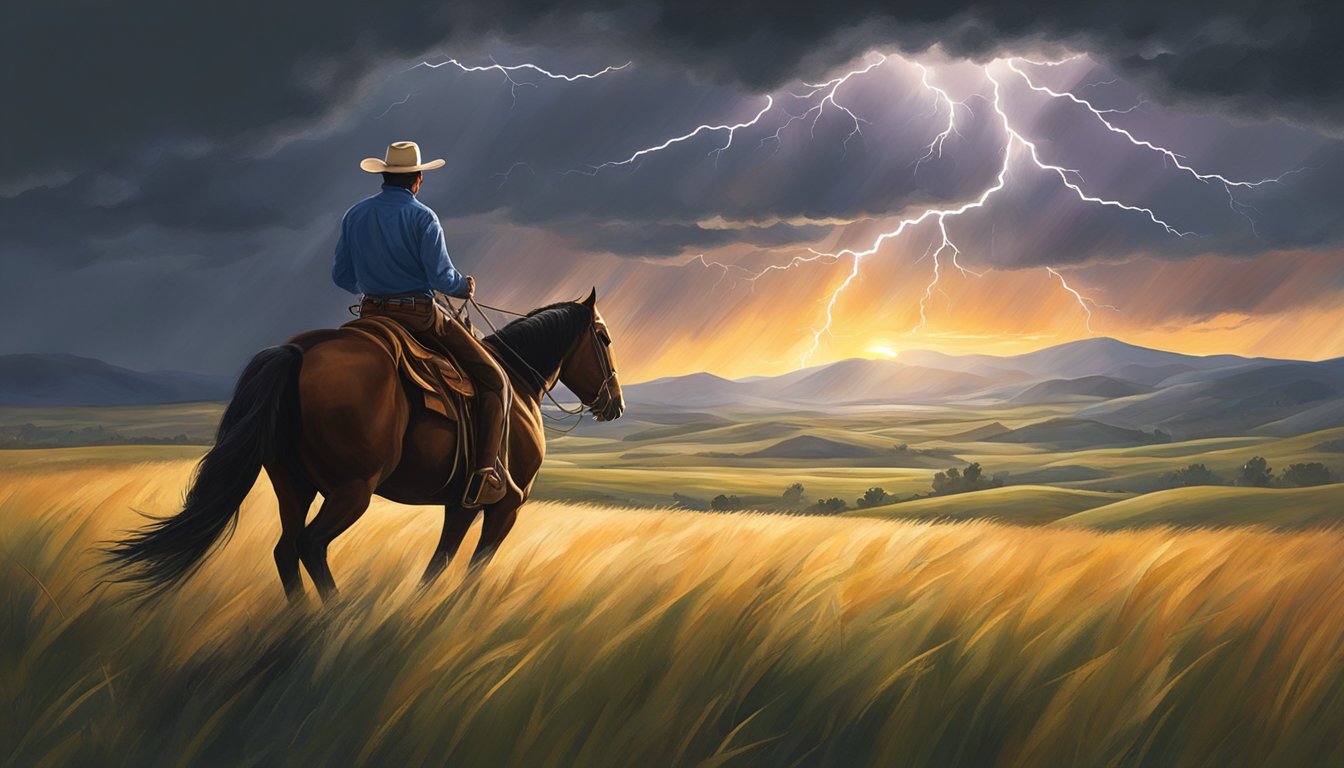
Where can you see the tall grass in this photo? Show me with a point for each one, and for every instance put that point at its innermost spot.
(613, 637)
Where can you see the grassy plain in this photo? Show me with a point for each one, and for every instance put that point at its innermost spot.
(703, 455)
(1208, 506)
(1017, 504)
(605, 636)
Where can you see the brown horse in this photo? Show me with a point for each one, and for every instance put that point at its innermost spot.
(327, 413)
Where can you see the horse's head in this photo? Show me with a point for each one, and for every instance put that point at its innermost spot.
(589, 370)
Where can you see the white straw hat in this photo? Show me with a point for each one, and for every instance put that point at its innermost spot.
(402, 157)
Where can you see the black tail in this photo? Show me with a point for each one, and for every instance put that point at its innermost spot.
(168, 550)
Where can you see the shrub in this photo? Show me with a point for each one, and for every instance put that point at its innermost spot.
(874, 497)
(793, 496)
(1195, 474)
(962, 481)
(681, 501)
(1256, 473)
(724, 503)
(830, 506)
(1303, 475)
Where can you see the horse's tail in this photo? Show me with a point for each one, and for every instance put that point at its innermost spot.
(168, 550)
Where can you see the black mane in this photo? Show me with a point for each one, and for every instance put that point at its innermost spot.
(532, 346)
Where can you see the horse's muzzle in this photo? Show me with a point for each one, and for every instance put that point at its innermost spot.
(610, 410)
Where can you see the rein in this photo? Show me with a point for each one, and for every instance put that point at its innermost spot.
(603, 397)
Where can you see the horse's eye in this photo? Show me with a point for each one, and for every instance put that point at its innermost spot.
(606, 340)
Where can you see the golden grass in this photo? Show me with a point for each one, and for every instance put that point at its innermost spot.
(611, 637)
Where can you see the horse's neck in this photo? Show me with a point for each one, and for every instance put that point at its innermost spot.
(525, 377)
(529, 373)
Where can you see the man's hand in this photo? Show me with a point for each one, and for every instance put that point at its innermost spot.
(471, 286)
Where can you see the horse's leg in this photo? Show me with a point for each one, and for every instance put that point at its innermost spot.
(295, 496)
(499, 519)
(340, 509)
(456, 522)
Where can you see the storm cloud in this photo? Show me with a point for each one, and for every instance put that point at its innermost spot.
(177, 147)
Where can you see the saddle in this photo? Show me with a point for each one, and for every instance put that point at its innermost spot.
(443, 385)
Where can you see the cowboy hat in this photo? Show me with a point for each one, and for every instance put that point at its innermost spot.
(402, 157)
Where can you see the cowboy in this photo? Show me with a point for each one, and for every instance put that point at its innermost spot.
(391, 250)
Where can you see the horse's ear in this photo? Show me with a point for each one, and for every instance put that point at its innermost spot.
(591, 301)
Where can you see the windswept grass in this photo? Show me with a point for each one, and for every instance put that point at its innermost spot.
(611, 637)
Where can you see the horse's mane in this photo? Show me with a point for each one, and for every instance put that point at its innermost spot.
(536, 342)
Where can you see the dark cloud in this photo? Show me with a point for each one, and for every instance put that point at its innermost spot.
(174, 148)
(100, 84)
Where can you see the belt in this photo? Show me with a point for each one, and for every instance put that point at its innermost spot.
(405, 299)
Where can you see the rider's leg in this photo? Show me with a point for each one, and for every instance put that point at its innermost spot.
(488, 481)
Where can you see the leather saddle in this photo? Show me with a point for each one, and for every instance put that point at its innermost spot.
(444, 386)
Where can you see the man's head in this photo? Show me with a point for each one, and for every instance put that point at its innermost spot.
(409, 181)
(401, 166)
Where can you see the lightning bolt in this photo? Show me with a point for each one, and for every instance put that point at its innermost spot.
(1015, 139)
(505, 175)
(1083, 301)
(1167, 154)
(936, 146)
(508, 70)
(706, 128)
(1016, 147)
(382, 114)
(830, 87)
(826, 90)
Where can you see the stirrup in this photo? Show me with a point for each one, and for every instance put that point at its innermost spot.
(480, 492)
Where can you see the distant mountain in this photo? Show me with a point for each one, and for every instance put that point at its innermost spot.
(1086, 357)
(847, 381)
(59, 379)
(1291, 396)
(1087, 388)
(860, 380)
(693, 390)
(926, 376)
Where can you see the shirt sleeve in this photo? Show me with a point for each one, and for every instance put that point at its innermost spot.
(342, 267)
(439, 270)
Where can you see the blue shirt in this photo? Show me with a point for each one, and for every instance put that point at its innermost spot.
(392, 243)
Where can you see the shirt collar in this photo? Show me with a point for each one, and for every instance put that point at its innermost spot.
(391, 190)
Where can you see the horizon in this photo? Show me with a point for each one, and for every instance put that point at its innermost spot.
(876, 358)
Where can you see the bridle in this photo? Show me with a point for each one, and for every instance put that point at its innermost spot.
(604, 395)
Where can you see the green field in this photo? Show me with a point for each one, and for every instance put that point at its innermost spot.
(1318, 507)
(653, 453)
(1019, 505)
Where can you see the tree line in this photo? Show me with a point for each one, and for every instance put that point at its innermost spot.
(795, 498)
(1256, 473)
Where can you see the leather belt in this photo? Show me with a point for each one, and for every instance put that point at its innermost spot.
(401, 299)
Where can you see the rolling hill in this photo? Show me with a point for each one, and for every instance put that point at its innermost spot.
(1087, 388)
(1072, 434)
(1017, 505)
(1219, 506)
(59, 379)
(1236, 403)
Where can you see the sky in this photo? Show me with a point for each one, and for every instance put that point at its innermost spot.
(749, 191)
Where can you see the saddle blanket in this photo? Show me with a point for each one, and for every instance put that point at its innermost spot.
(442, 382)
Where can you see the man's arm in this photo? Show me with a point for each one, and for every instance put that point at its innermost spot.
(342, 267)
(443, 277)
